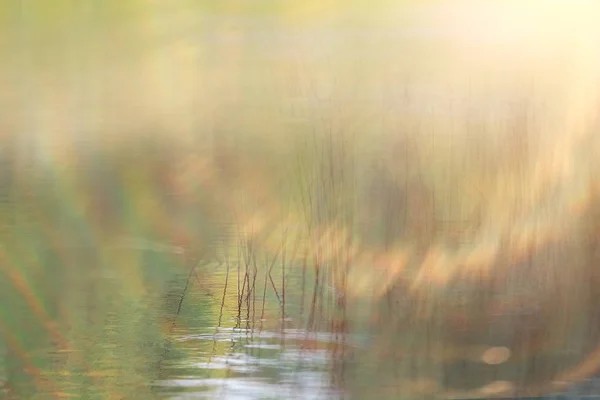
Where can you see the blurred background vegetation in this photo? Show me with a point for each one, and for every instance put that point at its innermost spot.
(214, 197)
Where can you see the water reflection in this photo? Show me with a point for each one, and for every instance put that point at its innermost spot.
(253, 365)
(268, 356)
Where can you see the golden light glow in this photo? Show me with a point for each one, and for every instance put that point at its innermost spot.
(496, 355)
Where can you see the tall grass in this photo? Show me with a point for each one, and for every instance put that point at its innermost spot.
(520, 272)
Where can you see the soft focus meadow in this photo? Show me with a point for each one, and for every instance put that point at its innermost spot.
(316, 199)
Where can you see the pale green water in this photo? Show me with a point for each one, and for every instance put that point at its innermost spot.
(158, 335)
(171, 333)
